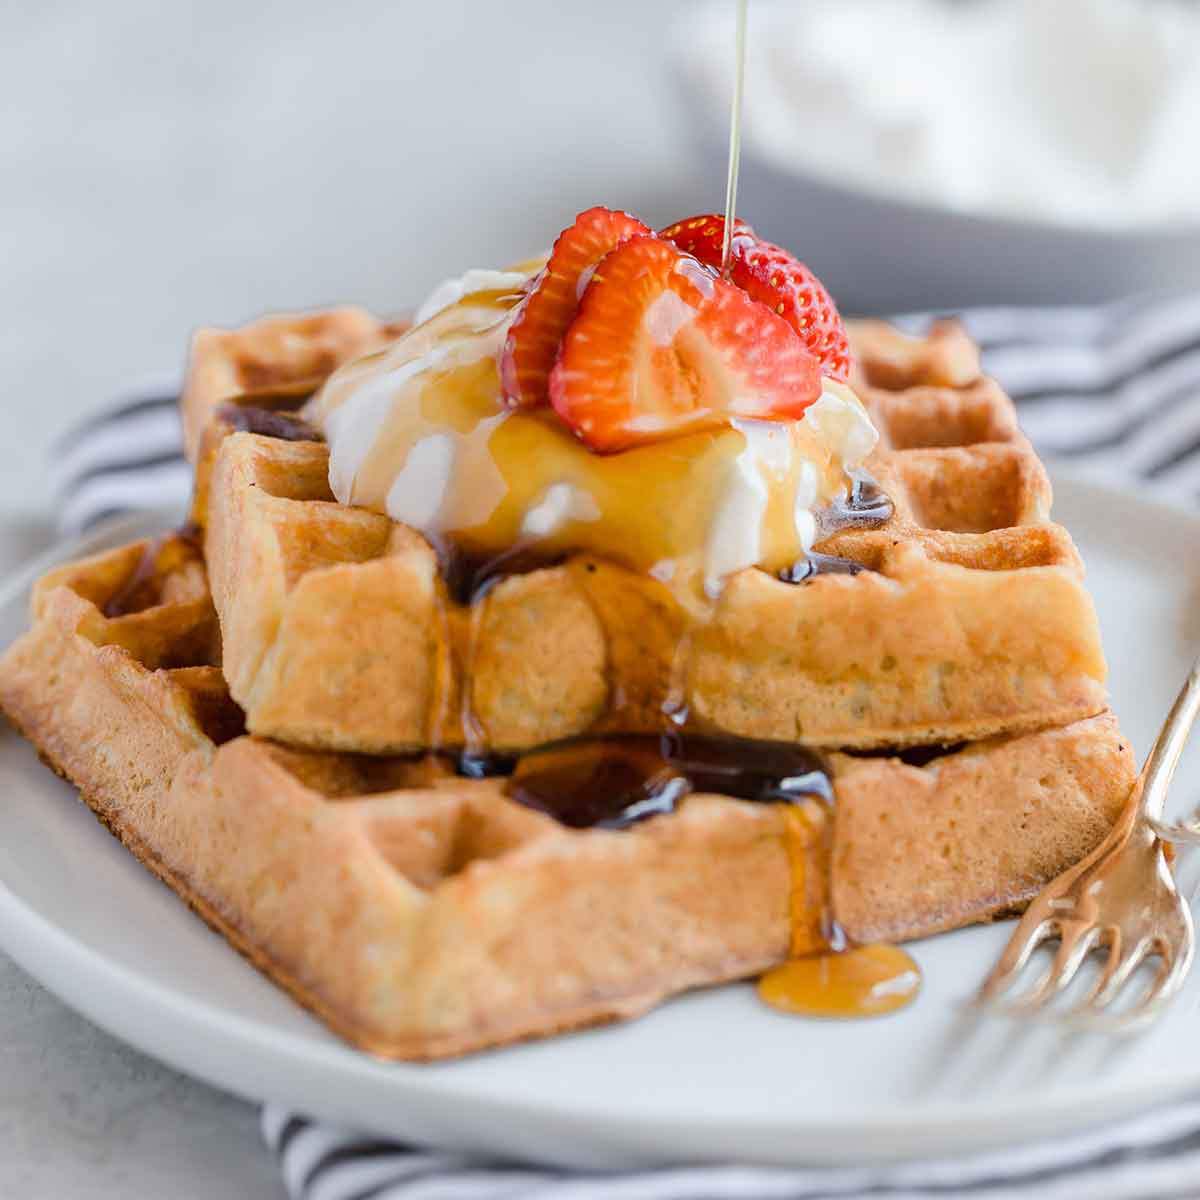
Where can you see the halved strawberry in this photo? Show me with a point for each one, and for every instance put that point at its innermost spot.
(774, 278)
(543, 316)
(704, 236)
(662, 346)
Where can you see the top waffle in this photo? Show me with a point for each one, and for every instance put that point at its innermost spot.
(271, 362)
(971, 621)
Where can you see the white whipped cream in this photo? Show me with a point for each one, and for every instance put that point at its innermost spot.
(419, 495)
(840, 420)
(1081, 111)
(734, 540)
(735, 536)
(353, 429)
(451, 291)
(560, 503)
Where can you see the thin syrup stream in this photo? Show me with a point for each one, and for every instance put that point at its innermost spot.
(839, 980)
(735, 139)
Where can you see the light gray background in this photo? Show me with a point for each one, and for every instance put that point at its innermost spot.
(169, 165)
(164, 166)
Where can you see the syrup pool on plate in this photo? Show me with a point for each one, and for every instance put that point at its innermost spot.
(826, 975)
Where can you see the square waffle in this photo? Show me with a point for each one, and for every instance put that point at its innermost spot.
(270, 362)
(423, 915)
(971, 621)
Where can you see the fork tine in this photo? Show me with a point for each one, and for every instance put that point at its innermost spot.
(1170, 974)
(1168, 981)
(1078, 939)
(1029, 934)
(1115, 979)
(1078, 1013)
(1186, 833)
(1091, 1011)
(1160, 994)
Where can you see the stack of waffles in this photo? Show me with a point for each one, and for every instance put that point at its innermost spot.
(251, 706)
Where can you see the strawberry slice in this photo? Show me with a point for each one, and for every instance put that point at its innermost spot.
(662, 346)
(533, 338)
(775, 278)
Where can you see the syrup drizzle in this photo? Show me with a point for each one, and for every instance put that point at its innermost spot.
(814, 564)
(614, 782)
(469, 577)
(825, 976)
(865, 504)
(735, 140)
(161, 554)
(268, 422)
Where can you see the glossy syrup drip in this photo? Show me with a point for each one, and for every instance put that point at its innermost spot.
(483, 764)
(469, 577)
(614, 782)
(827, 975)
(863, 981)
(268, 422)
(820, 564)
(865, 505)
(160, 556)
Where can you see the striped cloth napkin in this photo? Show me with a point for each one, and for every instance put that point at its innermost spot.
(1110, 390)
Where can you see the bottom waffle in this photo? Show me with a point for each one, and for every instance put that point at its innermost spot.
(424, 915)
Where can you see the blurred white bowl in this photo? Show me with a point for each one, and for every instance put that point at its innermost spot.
(880, 255)
(879, 252)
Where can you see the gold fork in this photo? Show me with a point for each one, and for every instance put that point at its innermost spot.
(1121, 898)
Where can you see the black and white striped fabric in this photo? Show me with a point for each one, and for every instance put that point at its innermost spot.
(1155, 1156)
(127, 458)
(1113, 391)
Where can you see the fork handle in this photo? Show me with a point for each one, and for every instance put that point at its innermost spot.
(1168, 746)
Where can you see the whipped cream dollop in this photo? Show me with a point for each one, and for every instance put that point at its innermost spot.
(476, 279)
(734, 540)
(419, 431)
(1080, 111)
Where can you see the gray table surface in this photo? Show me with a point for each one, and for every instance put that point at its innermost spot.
(83, 1115)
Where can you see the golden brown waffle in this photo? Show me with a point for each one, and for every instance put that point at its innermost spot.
(424, 915)
(973, 620)
(270, 360)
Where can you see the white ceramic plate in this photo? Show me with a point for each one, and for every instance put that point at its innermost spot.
(710, 1076)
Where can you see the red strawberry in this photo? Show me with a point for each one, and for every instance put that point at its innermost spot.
(774, 278)
(662, 346)
(533, 338)
(704, 237)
